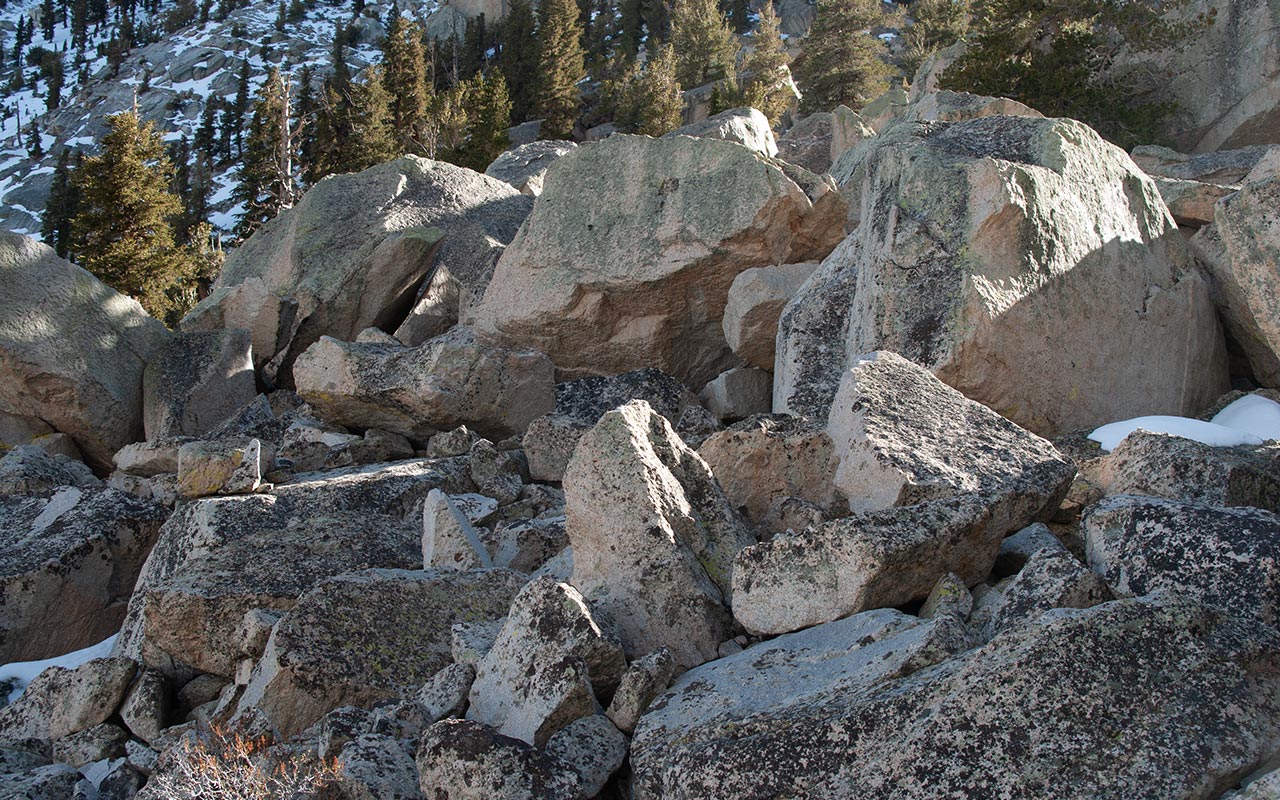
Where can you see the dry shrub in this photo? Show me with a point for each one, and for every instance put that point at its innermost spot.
(223, 765)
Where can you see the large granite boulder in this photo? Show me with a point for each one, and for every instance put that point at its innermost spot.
(1026, 262)
(368, 636)
(746, 126)
(357, 251)
(68, 565)
(755, 302)
(62, 701)
(653, 536)
(1224, 557)
(72, 350)
(196, 382)
(638, 275)
(29, 470)
(1128, 700)
(525, 167)
(454, 379)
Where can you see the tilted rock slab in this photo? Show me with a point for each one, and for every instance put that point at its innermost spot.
(72, 350)
(466, 760)
(451, 380)
(1129, 700)
(525, 167)
(196, 382)
(628, 255)
(367, 636)
(354, 252)
(1026, 262)
(653, 536)
(1224, 557)
(962, 476)
(755, 302)
(61, 701)
(543, 669)
(68, 565)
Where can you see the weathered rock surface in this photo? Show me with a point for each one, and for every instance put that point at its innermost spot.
(451, 380)
(72, 350)
(1224, 557)
(660, 570)
(30, 470)
(639, 276)
(1052, 578)
(764, 460)
(808, 143)
(67, 567)
(946, 106)
(756, 299)
(1132, 699)
(1227, 168)
(738, 393)
(525, 167)
(357, 251)
(644, 680)
(196, 382)
(374, 767)
(1242, 250)
(980, 243)
(1175, 468)
(466, 760)
(226, 466)
(368, 636)
(746, 126)
(546, 666)
(60, 701)
(591, 747)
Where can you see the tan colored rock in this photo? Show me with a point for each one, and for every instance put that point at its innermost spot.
(1103, 316)
(354, 253)
(72, 351)
(755, 302)
(451, 380)
(946, 106)
(848, 129)
(639, 276)
(220, 467)
(653, 536)
(746, 126)
(764, 460)
(60, 701)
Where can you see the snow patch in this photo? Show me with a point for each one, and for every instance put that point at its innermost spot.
(1212, 434)
(21, 673)
(1253, 414)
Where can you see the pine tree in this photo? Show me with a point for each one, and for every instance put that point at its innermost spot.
(471, 59)
(935, 24)
(739, 13)
(705, 47)
(518, 59)
(630, 27)
(486, 130)
(354, 128)
(46, 19)
(561, 64)
(767, 85)
(80, 24)
(122, 232)
(267, 183)
(842, 63)
(405, 80)
(54, 77)
(35, 142)
(651, 102)
(233, 123)
(60, 209)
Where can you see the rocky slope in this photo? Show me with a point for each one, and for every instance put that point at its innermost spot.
(687, 472)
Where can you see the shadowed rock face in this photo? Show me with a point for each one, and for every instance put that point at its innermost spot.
(638, 276)
(1128, 699)
(1024, 261)
(72, 350)
(355, 252)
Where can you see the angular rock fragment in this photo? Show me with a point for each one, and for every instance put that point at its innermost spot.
(754, 304)
(466, 760)
(196, 382)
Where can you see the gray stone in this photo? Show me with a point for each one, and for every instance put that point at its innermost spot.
(746, 126)
(1226, 168)
(1016, 550)
(54, 782)
(59, 701)
(498, 473)
(466, 760)
(1224, 557)
(767, 459)
(30, 470)
(939, 270)
(356, 251)
(945, 106)
(738, 393)
(549, 661)
(146, 708)
(445, 695)
(606, 287)
(1190, 202)
(949, 597)
(525, 166)
(374, 767)
(526, 546)
(448, 538)
(1051, 579)
(68, 564)
(644, 680)
(367, 636)
(593, 748)
(469, 642)
(72, 350)
(101, 742)
(149, 459)
(1175, 468)
(196, 382)
(755, 302)
(808, 143)
(451, 380)
(1181, 709)
(653, 536)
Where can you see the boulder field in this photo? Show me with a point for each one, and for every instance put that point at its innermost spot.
(721, 465)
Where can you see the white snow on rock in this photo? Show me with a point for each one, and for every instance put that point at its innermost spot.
(1252, 414)
(20, 673)
(1210, 433)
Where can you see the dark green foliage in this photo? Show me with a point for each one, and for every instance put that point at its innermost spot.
(649, 100)
(765, 75)
(353, 128)
(1059, 57)
(935, 24)
(61, 207)
(405, 80)
(561, 64)
(705, 47)
(46, 19)
(267, 183)
(518, 59)
(842, 61)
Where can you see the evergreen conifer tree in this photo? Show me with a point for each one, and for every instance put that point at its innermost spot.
(405, 81)
(704, 45)
(766, 79)
(267, 183)
(46, 19)
(489, 110)
(651, 102)
(122, 231)
(842, 63)
(60, 209)
(561, 64)
(518, 58)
